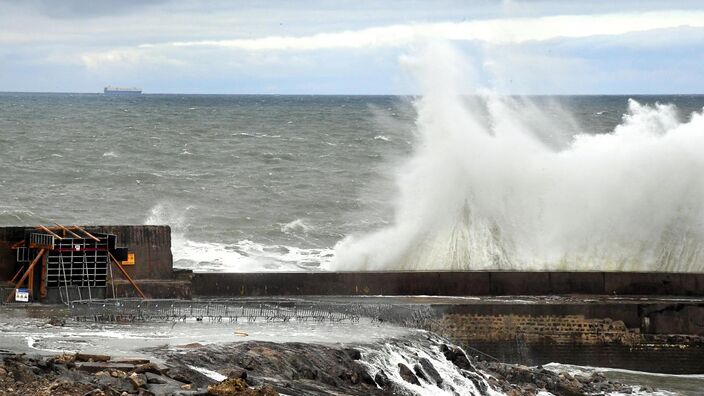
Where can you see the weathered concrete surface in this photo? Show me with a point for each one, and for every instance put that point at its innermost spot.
(656, 335)
(8, 235)
(154, 288)
(476, 283)
(151, 245)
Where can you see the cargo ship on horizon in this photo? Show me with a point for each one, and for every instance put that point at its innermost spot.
(110, 90)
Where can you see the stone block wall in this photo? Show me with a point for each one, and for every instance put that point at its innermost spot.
(535, 329)
(572, 339)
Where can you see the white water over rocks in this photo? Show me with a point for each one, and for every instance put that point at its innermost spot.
(446, 379)
(492, 185)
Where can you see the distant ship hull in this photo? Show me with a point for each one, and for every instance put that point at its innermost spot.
(122, 91)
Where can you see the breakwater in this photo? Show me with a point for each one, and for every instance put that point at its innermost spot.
(447, 283)
(648, 321)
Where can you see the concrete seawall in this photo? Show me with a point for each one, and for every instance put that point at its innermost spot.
(447, 283)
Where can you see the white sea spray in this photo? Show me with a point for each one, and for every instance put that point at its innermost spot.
(489, 188)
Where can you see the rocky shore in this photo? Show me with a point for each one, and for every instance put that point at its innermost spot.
(310, 369)
(265, 369)
(100, 375)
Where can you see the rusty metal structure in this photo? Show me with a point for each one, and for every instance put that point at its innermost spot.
(69, 261)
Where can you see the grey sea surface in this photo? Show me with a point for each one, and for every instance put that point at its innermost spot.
(248, 183)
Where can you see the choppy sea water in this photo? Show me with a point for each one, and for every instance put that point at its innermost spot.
(248, 183)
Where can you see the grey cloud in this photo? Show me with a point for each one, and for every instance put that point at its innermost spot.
(77, 9)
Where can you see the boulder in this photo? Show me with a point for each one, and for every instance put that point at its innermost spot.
(381, 379)
(430, 370)
(138, 380)
(228, 387)
(457, 357)
(407, 374)
(155, 378)
(148, 368)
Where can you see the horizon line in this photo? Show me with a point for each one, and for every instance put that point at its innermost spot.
(344, 94)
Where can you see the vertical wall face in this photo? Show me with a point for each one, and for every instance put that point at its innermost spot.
(582, 334)
(151, 246)
(8, 235)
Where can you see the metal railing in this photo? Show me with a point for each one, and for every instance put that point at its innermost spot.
(131, 310)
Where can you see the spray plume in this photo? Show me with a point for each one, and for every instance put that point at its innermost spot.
(489, 188)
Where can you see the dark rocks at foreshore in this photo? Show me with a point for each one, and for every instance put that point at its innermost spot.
(265, 369)
(311, 369)
(291, 368)
(101, 375)
(517, 380)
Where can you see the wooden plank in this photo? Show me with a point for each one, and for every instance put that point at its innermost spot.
(129, 279)
(88, 234)
(73, 234)
(17, 274)
(42, 284)
(48, 231)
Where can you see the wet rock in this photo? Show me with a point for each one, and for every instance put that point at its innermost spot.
(117, 373)
(155, 378)
(430, 370)
(570, 388)
(305, 368)
(407, 374)
(87, 357)
(228, 387)
(115, 385)
(381, 379)
(354, 354)
(148, 368)
(165, 389)
(188, 376)
(418, 371)
(457, 357)
(138, 380)
(366, 378)
(237, 386)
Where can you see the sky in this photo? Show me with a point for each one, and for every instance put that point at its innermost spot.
(349, 47)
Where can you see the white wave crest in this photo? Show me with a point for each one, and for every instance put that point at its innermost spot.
(241, 256)
(246, 256)
(297, 225)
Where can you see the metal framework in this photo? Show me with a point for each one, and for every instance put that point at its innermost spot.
(247, 310)
(67, 258)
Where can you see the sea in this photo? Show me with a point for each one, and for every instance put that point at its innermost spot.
(246, 182)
